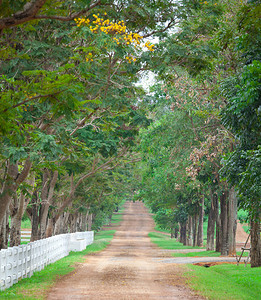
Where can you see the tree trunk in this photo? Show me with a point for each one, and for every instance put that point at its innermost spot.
(73, 222)
(189, 241)
(16, 220)
(50, 227)
(84, 222)
(200, 223)
(11, 184)
(183, 231)
(195, 229)
(47, 198)
(224, 222)
(8, 190)
(232, 222)
(19, 206)
(35, 218)
(218, 234)
(211, 224)
(255, 243)
(89, 222)
(4, 231)
(59, 226)
(176, 232)
(80, 222)
(172, 232)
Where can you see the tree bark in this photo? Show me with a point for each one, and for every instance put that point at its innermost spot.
(232, 222)
(195, 229)
(183, 231)
(172, 232)
(19, 207)
(200, 223)
(189, 241)
(176, 232)
(255, 243)
(218, 228)
(47, 198)
(4, 231)
(35, 218)
(89, 222)
(11, 184)
(8, 189)
(211, 224)
(224, 222)
(31, 10)
(50, 227)
(16, 219)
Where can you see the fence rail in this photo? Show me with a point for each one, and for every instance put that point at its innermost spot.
(25, 235)
(22, 261)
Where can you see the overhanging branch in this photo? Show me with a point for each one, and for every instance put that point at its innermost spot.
(32, 8)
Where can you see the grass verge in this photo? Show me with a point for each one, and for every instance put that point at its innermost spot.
(223, 282)
(158, 228)
(26, 224)
(117, 217)
(203, 253)
(166, 242)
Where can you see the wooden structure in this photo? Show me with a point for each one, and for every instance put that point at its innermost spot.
(244, 248)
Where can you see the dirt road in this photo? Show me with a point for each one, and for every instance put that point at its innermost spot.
(127, 269)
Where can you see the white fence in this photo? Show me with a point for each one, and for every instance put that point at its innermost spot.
(25, 235)
(22, 261)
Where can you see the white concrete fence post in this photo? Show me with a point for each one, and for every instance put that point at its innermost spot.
(22, 261)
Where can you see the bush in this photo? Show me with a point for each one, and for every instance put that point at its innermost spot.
(242, 216)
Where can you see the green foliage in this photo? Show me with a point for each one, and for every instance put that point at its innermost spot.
(242, 116)
(242, 216)
(226, 281)
(165, 218)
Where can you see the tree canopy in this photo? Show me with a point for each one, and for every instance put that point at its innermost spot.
(78, 132)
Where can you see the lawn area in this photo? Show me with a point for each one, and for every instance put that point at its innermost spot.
(157, 228)
(117, 216)
(165, 242)
(223, 282)
(203, 253)
(220, 282)
(199, 254)
(205, 226)
(26, 224)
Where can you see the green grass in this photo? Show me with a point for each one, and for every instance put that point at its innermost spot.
(26, 224)
(198, 254)
(117, 217)
(203, 254)
(157, 228)
(166, 242)
(36, 286)
(205, 228)
(226, 282)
